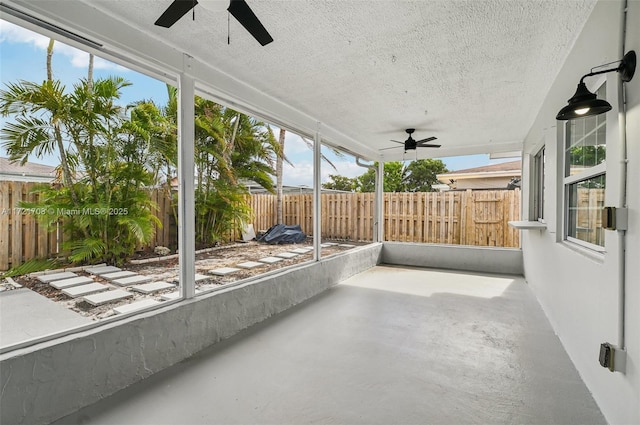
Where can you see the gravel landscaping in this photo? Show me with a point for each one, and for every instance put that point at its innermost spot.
(237, 259)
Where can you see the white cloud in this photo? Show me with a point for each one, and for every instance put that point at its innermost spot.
(302, 173)
(11, 33)
(294, 145)
(15, 34)
(345, 168)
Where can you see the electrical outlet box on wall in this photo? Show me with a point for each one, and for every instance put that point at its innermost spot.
(612, 357)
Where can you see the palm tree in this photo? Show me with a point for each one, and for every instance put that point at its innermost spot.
(42, 117)
(279, 175)
(102, 161)
(229, 146)
(255, 151)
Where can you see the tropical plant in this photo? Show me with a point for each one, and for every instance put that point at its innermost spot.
(418, 176)
(31, 266)
(279, 176)
(422, 174)
(229, 147)
(101, 198)
(111, 156)
(342, 183)
(395, 174)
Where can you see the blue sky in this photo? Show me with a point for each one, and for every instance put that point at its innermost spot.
(23, 56)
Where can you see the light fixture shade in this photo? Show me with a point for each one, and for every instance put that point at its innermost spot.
(583, 104)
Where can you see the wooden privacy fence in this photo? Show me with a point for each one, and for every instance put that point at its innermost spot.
(586, 213)
(23, 237)
(461, 218)
(466, 218)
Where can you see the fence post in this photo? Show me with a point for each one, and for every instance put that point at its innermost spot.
(16, 225)
(5, 217)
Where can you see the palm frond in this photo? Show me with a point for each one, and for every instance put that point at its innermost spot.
(32, 266)
(84, 250)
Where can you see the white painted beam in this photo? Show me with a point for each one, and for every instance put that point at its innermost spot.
(186, 190)
(380, 203)
(317, 198)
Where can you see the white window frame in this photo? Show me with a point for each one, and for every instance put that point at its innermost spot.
(589, 173)
(537, 187)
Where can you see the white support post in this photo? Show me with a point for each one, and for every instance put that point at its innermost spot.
(186, 192)
(380, 202)
(317, 199)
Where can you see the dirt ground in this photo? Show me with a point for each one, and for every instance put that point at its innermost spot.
(167, 270)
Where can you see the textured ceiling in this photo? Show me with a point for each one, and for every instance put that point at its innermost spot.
(472, 73)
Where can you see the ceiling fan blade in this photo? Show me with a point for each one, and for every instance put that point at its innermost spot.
(428, 139)
(175, 11)
(395, 141)
(243, 13)
(429, 146)
(392, 147)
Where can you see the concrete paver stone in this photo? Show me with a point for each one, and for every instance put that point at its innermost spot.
(102, 270)
(78, 291)
(223, 271)
(287, 255)
(107, 297)
(149, 288)
(47, 278)
(118, 275)
(68, 283)
(132, 280)
(270, 260)
(250, 265)
(301, 250)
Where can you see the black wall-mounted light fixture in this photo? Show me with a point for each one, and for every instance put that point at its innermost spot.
(584, 103)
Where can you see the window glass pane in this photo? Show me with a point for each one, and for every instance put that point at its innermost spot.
(601, 141)
(577, 131)
(538, 201)
(586, 141)
(97, 191)
(586, 199)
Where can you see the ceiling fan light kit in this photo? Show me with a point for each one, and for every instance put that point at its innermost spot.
(239, 9)
(411, 144)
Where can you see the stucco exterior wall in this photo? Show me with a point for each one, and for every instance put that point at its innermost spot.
(579, 289)
(454, 257)
(482, 183)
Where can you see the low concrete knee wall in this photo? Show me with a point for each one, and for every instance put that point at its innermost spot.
(454, 257)
(47, 381)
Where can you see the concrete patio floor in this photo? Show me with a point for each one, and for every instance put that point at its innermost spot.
(390, 345)
(25, 314)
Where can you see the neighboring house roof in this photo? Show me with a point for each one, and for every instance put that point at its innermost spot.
(29, 172)
(287, 189)
(485, 177)
(503, 169)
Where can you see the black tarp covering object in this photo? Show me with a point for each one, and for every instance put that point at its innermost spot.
(280, 234)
